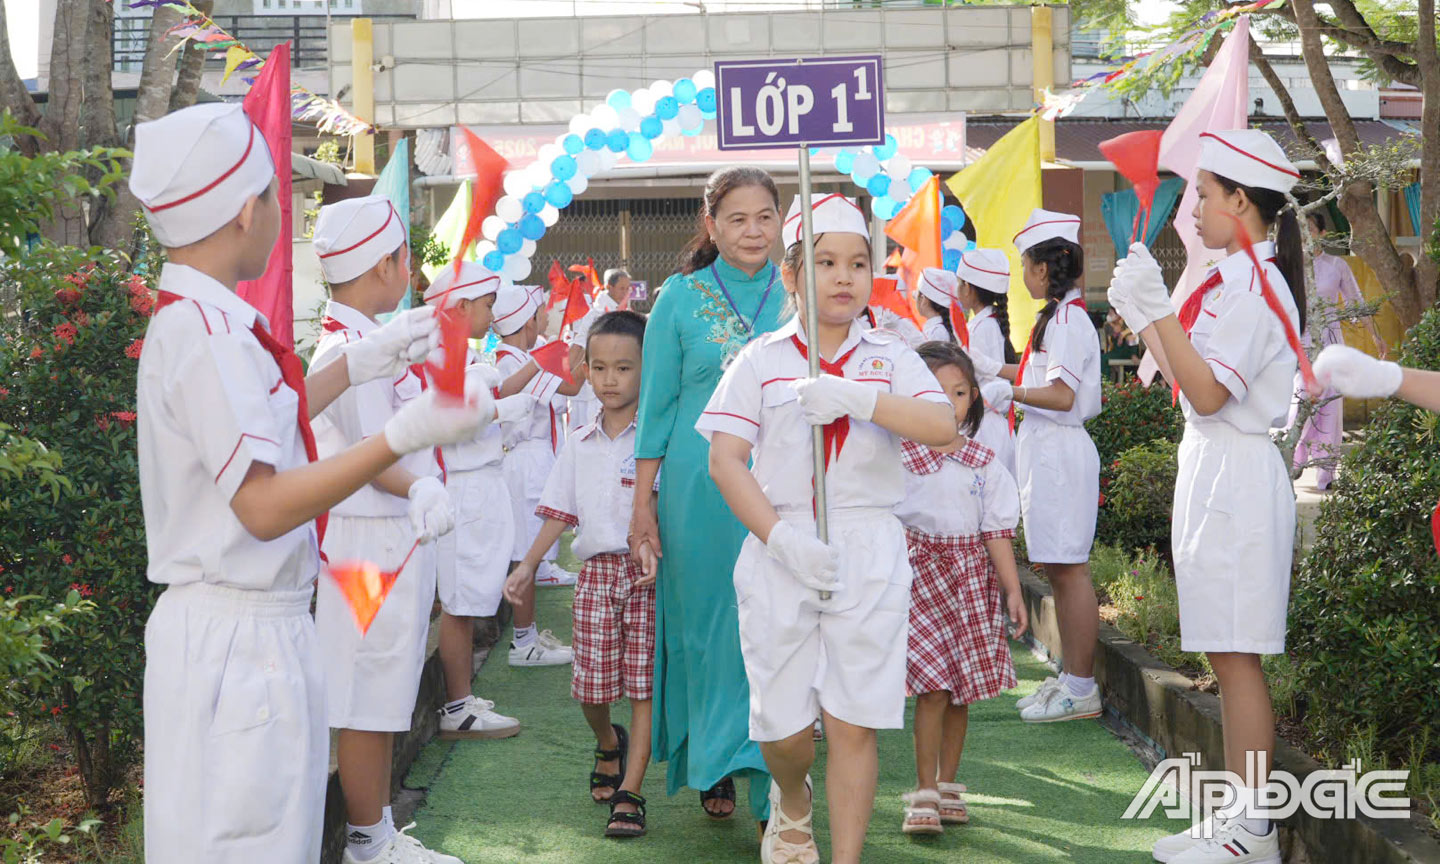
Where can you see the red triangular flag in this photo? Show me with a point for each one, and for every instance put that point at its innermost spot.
(885, 294)
(554, 357)
(577, 303)
(588, 271)
(365, 586)
(559, 285)
(449, 376)
(1137, 156)
(485, 189)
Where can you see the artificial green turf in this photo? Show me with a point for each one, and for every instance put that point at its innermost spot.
(1038, 793)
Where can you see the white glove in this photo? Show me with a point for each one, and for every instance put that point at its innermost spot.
(998, 394)
(1357, 374)
(1122, 300)
(513, 409)
(986, 367)
(829, 397)
(433, 420)
(430, 512)
(1144, 294)
(408, 338)
(815, 564)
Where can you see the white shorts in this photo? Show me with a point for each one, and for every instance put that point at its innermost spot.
(371, 681)
(1058, 471)
(527, 466)
(235, 743)
(1233, 540)
(845, 655)
(474, 559)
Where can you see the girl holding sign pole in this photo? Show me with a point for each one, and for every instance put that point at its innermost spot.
(823, 625)
(1231, 354)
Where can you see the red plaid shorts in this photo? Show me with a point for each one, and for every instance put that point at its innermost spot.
(614, 638)
(957, 623)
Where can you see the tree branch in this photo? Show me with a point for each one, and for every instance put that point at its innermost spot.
(1381, 52)
(192, 68)
(97, 114)
(1287, 105)
(13, 95)
(157, 76)
(1427, 57)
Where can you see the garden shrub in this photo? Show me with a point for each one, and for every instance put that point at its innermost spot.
(1365, 605)
(1131, 414)
(1140, 498)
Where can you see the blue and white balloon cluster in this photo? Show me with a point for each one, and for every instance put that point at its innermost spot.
(953, 242)
(626, 124)
(884, 172)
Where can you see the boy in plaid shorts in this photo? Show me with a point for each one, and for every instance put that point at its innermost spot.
(591, 489)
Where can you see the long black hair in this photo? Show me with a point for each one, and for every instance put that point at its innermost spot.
(1000, 302)
(1289, 255)
(1064, 264)
(938, 354)
(701, 251)
(943, 314)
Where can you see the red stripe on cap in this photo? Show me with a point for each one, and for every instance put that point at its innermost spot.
(443, 294)
(516, 310)
(1291, 172)
(249, 145)
(388, 218)
(981, 269)
(1075, 221)
(926, 279)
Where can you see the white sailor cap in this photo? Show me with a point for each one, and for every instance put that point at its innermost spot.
(352, 235)
(985, 268)
(1047, 225)
(194, 169)
(1248, 157)
(473, 280)
(940, 285)
(514, 306)
(830, 214)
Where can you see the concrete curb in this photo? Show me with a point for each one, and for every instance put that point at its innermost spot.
(1162, 707)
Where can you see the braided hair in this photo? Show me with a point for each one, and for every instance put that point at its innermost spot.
(1000, 302)
(936, 312)
(1064, 264)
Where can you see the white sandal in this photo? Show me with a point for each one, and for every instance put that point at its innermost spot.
(953, 810)
(922, 804)
(773, 850)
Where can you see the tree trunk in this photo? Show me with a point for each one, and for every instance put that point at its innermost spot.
(1369, 237)
(1427, 57)
(97, 114)
(13, 95)
(192, 67)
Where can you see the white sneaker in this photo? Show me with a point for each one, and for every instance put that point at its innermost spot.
(546, 650)
(1059, 705)
(476, 719)
(1168, 847)
(404, 849)
(552, 575)
(1048, 685)
(1233, 843)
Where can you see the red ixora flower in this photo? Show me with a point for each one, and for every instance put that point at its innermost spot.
(37, 352)
(68, 560)
(4, 391)
(133, 350)
(66, 332)
(103, 421)
(136, 284)
(124, 418)
(142, 303)
(67, 296)
(82, 589)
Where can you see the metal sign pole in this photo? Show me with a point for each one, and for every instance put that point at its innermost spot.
(812, 339)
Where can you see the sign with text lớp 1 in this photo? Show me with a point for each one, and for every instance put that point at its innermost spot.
(816, 102)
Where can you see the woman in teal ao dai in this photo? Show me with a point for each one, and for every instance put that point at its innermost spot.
(727, 293)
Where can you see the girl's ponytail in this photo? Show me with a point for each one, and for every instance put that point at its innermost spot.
(1001, 304)
(1290, 259)
(1064, 264)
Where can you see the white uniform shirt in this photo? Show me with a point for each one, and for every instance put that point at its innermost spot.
(985, 335)
(754, 401)
(958, 494)
(1071, 353)
(593, 487)
(547, 422)
(211, 402)
(890, 322)
(487, 448)
(1242, 340)
(362, 411)
(935, 330)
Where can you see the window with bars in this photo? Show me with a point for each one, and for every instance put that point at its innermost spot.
(658, 229)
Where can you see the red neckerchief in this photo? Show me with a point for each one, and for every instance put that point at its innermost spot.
(958, 324)
(1190, 313)
(838, 429)
(330, 325)
(1025, 359)
(292, 372)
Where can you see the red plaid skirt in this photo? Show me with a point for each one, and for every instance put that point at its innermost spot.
(614, 638)
(957, 622)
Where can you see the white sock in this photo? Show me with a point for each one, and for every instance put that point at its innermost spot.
(1247, 801)
(452, 708)
(524, 637)
(389, 815)
(1078, 687)
(365, 843)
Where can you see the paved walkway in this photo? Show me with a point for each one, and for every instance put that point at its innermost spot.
(1039, 793)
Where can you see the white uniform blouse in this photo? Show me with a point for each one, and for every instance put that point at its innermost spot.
(1071, 353)
(958, 494)
(593, 487)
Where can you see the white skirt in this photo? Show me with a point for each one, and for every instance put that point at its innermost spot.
(845, 655)
(527, 466)
(371, 681)
(1058, 471)
(235, 740)
(474, 559)
(1233, 540)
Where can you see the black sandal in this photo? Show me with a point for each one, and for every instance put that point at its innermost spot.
(722, 791)
(621, 752)
(634, 823)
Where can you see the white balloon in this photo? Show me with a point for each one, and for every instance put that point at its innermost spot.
(578, 184)
(955, 241)
(527, 248)
(550, 215)
(661, 89)
(509, 209)
(643, 101)
(866, 165)
(516, 184)
(483, 248)
(899, 188)
(629, 119)
(704, 78)
(588, 162)
(898, 166)
(608, 160)
(491, 227)
(538, 173)
(690, 116)
(604, 117)
(580, 124)
(516, 268)
(670, 128)
(548, 152)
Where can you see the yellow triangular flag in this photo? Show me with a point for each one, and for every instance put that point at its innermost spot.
(998, 192)
(450, 229)
(234, 56)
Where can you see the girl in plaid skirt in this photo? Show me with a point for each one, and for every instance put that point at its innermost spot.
(960, 510)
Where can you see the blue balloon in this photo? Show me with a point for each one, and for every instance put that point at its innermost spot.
(618, 99)
(533, 202)
(969, 245)
(947, 225)
(573, 144)
(640, 148)
(963, 220)
(563, 167)
(595, 139)
(705, 99)
(651, 127)
(509, 241)
(955, 213)
(879, 185)
(532, 227)
(861, 180)
(666, 107)
(558, 194)
(494, 260)
(919, 176)
(684, 91)
(880, 206)
(886, 150)
(692, 131)
(950, 260)
(617, 140)
(844, 161)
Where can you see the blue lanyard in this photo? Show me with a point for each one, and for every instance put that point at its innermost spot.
(748, 325)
